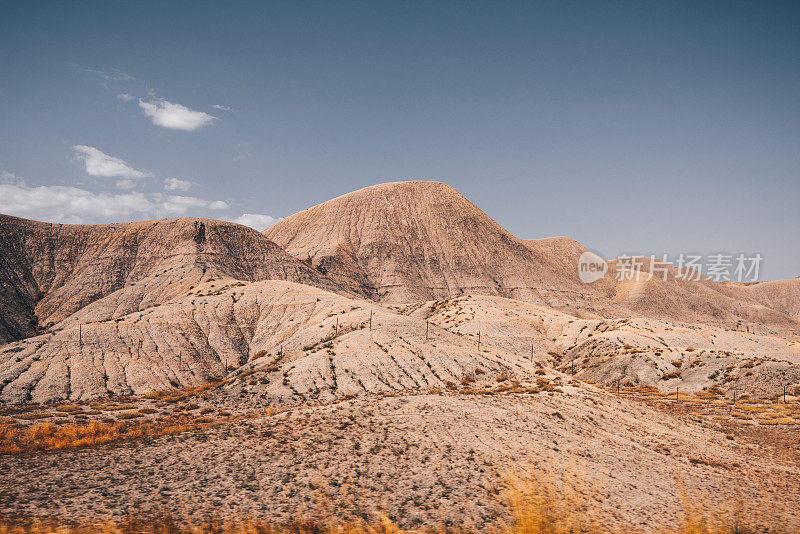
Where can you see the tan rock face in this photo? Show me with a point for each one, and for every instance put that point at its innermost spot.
(704, 301)
(414, 241)
(50, 271)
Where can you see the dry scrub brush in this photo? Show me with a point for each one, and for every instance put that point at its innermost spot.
(543, 504)
(48, 436)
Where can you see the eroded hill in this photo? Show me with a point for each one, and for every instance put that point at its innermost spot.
(51, 271)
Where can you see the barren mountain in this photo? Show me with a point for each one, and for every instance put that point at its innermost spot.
(631, 351)
(50, 271)
(781, 295)
(649, 293)
(406, 351)
(406, 242)
(417, 241)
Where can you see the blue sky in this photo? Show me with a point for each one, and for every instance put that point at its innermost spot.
(634, 127)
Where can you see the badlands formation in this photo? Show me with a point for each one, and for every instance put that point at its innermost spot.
(394, 350)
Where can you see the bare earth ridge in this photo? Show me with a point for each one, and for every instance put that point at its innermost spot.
(395, 349)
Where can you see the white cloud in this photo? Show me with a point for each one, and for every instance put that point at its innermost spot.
(100, 164)
(173, 184)
(70, 204)
(255, 220)
(224, 108)
(218, 205)
(175, 116)
(180, 205)
(126, 97)
(73, 205)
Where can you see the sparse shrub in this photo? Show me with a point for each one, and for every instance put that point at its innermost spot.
(670, 376)
(710, 463)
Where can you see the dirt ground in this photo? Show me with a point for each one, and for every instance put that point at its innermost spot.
(426, 460)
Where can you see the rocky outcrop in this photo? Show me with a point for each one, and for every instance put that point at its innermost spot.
(51, 271)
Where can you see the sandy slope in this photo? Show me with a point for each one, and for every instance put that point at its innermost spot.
(751, 359)
(782, 295)
(423, 459)
(321, 341)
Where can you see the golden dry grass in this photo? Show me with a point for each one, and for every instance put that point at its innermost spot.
(544, 505)
(48, 436)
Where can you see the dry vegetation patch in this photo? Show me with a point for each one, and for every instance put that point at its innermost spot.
(15, 438)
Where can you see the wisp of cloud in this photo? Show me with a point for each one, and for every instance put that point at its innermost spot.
(175, 116)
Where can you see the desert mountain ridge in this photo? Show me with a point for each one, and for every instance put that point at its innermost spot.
(92, 310)
(420, 240)
(396, 342)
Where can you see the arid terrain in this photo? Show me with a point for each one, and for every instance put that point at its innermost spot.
(393, 353)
